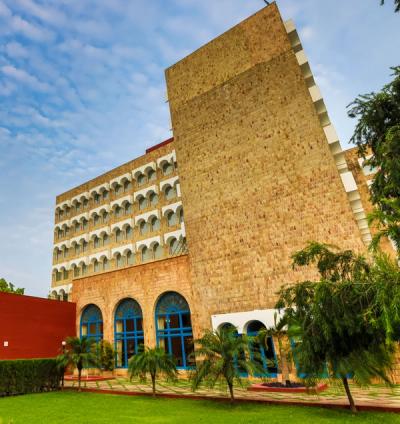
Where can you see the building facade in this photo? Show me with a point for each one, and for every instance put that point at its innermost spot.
(198, 232)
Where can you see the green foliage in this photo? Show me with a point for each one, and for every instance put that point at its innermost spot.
(279, 332)
(80, 353)
(396, 5)
(6, 287)
(106, 355)
(220, 356)
(153, 361)
(347, 319)
(23, 376)
(378, 133)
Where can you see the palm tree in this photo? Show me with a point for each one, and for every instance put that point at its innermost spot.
(280, 333)
(79, 353)
(153, 361)
(222, 354)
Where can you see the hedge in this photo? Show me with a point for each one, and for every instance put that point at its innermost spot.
(22, 376)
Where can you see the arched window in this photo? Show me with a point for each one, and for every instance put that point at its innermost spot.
(118, 235)
(85, 224)
(92, 323)
(158, 251)
(118, 189)
(105, 217)
(151, 175)
(96, 198)
(170, 193)
(128, 327)
(153, 199)
(106, 264)
(155, 224)
(84, 269)
(118, 211)
(127, 185)
(78, 206)
(119, 260)
(174, 328)
(146, 254)
(260, 353)
(96, 266)
(106, 240)
(128, 232)
(96, 242)
(85, 203)
(167, 168)
(65, 274)
(142, 179)
(77, 227)
(181, 215)
(143, 203)
(172, 219)
(173, 245)
(143, 227)
(76, 271)
(128, 208)
(96, 219)
(130, 258)
(105, 194)
(84, 246)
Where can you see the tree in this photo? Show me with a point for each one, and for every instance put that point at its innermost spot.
(396, 5)
(280, 333)
(80, 353)
(6, 287)
(339, 319)
(153, 361)
(222, 355)
(377, 133)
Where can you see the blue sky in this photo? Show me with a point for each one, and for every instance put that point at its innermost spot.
(82, 90)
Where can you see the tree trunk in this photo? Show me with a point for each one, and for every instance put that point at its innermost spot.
(284, 363)
(349, 396)
(79, 379)
(232, 396)
(153, 384)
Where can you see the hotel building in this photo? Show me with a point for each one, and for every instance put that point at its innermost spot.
(198, 232)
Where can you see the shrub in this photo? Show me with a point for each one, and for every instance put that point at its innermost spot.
(22, 376)
(106, 355)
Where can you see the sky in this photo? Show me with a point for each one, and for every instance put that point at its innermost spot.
(82, 90)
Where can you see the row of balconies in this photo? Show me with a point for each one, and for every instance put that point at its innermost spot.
(118, 187)
(120, 257)
(114, 212)
(109, 237)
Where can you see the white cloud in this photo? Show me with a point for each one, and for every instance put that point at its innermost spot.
(25, 78)
(30, 30)
(45, 13)
(15, 49)
(307, 33)
(4, 10)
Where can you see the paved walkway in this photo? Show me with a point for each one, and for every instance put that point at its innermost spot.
(376, 397)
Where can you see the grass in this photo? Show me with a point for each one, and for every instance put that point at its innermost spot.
(86, 408)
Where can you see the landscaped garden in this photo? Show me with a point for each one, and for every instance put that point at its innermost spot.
(72, 407)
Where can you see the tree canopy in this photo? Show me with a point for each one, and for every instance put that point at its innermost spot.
(6, 287)
(346, 322)
(396, 5)
(377, 136)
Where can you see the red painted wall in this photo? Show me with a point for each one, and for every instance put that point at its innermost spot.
(34, 327)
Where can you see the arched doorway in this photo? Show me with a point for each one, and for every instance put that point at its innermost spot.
(262, 353)
(128, 330)
(174, 328)
(92, 323)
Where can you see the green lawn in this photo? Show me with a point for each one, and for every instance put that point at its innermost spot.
(74, 408)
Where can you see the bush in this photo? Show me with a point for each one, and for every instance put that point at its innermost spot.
(22, 376)
(106, 355)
